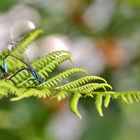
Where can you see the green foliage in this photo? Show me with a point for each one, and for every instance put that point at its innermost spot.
(23, 85)
(18, 50)
(74, 103)
(22, 45)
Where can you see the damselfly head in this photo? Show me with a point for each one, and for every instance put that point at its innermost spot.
(14, 43)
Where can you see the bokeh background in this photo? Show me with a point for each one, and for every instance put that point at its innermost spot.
(103, 37)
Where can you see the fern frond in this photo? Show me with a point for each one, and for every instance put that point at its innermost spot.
(136, 98)
(54, 81)
(44, 61)
(98, 103)
(130, 98)
(78, 92)
(19, 50)
(107, 100)
(60, 95)
(24, 85)
(3, 92)
(74, 103)
(125, 97)
(43, 93)
(90, 87)
(44, 73)
(24, 44)
(20, 77)
(81, 81)
(7, 87)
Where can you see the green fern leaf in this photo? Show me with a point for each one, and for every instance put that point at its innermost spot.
(74, 103)
(44, 73)
(81, 81)
(61, 77)
(60, 95)
(44, 61)
(91, 87)
(124, 99)
(9, 88)
(107, 100)
(24, 44)
(52, 65)
(98, 103)
(19, 50)
(33, 92)
(130, 98)
(24, 85)
(3, 92)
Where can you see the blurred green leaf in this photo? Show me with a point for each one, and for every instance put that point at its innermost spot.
(6, 4)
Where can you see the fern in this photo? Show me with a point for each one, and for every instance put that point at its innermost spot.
(60, 95)
(23, 85)
(52, 65)
(74, 103)
(19, 51)
(88, 87)
(107, 100)
(99, 104)
(43, 72)
(82, 81)
(33, 92)
(42, 62)
(61, 77)
(24, 43)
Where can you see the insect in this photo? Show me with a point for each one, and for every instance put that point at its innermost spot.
(4, 71)
(3, 68)
(31, 70)
(14, 42)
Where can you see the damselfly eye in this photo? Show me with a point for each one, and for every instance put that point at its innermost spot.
(20, 28)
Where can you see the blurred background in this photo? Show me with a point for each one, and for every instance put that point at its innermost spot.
(103, 38)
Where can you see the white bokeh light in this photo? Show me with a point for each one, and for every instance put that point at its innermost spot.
(99, 13)
(54, 43)
(87, 56)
